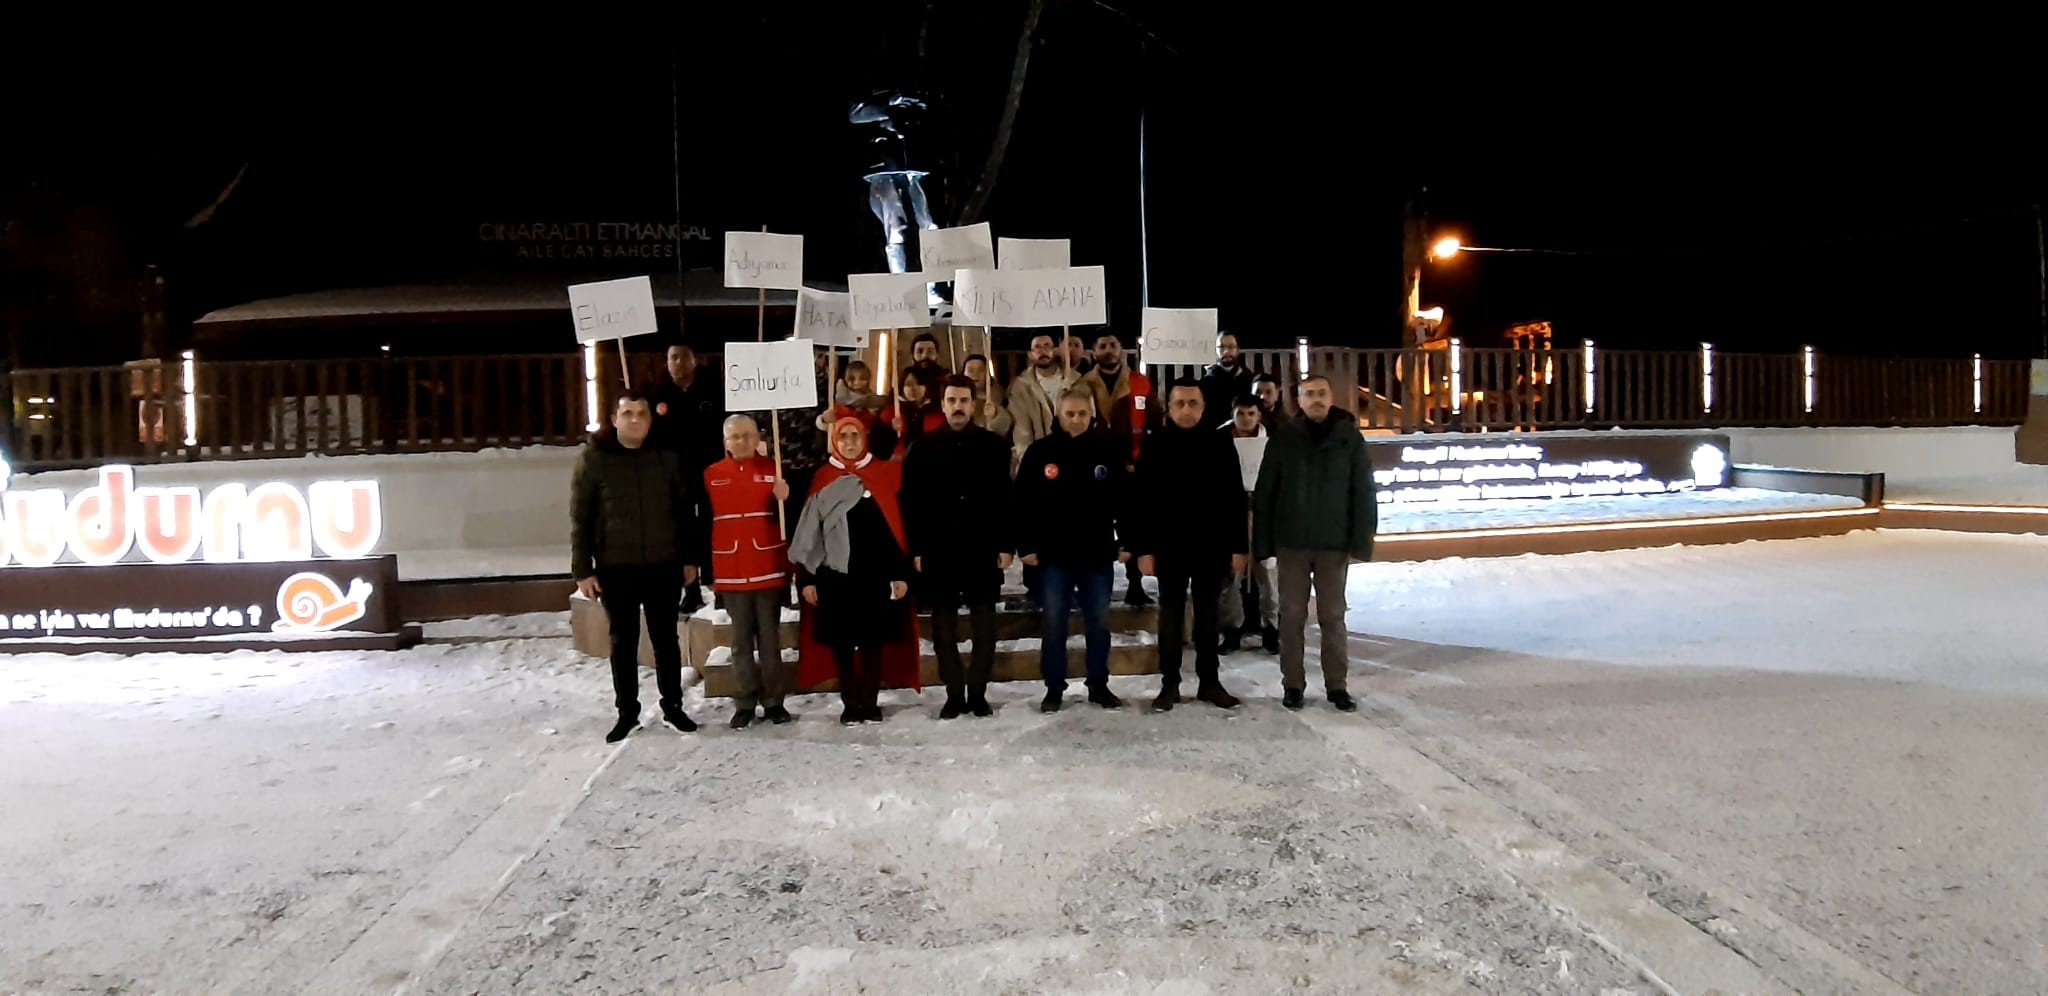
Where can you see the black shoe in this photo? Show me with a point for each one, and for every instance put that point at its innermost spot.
(1233, 641)
(849, 716)
(743, 718)
(1343, 701)
(1136, 598)
(693, 599)
(675, 718)
(1105, 698)
(1216, 696)
(627, 724)
(1269, 640)
(1291, 698)
(873, 714)
(778, 715)
(977, 704)
(1169, 696)
(956, 704)
(1052, 701)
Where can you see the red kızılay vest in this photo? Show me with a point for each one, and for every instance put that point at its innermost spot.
(748, 552)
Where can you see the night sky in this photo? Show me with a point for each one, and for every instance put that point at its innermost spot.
(1724, 183)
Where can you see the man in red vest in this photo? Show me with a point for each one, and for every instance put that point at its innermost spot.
(750, 569)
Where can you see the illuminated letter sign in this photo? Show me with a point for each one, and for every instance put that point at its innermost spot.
(114, 521)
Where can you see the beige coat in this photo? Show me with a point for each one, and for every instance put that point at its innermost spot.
(1032, 413)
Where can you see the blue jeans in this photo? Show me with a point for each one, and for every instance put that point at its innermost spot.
(1060, 587)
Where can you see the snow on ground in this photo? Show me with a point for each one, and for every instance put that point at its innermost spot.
(2018, 484)
(1930, 607)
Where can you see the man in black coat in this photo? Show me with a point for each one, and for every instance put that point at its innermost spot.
(689, 419)
(1225, 382)
(1071, 497)
(1189, 501)
(956, 497)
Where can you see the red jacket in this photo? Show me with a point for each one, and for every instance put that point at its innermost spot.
(1125, 405)
(748, 552)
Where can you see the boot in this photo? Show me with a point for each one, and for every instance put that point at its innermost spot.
(1052, 700)
(1135, 596)
(778, 715)
(693, 600)
(1342, 700)
(1291, 698)
(626, 725)
(956, 703)
(977, 701)
(1269, 640)
(742, 718)
(1169, 694)
(1105, 698)
(1233, 640)
(1212, 692)
(675, 717)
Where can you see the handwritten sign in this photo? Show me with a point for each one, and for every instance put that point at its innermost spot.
(763, 259)
(826, 318)
(612, 309)
(890, 300)
(770, 375)
(1179, 335)
(1034, 254)
(1031, 298)
(947, 249)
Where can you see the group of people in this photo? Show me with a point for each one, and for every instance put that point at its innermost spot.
(886, 506)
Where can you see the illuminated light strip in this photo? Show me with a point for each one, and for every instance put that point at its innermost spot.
(590, 387)
(1457, 378)
(1599, 527)
(1806, 355)
(1914, 506)
(1589, 376)
(1301, 356)
(1977, 383)
(1707, 377)
(191, 399)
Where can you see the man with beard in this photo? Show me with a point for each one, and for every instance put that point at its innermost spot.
(1189, 496)
(1266, 388)
(956, 493)
(1035, 395)
(1314, 508)
(1225, 382)
(1123, 398)
(924, 362)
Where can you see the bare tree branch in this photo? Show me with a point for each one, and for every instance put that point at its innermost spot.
(978, 200)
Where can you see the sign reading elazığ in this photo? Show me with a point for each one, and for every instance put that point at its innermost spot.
(114, 520)
(764, 259)
(1031, 298)
(612, 309)
(826, 318)
(1179, 335)
(770, 375)
(890, 300)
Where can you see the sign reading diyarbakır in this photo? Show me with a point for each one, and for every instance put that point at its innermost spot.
(1529, 467)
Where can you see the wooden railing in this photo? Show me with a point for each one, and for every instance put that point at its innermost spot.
(238, 409)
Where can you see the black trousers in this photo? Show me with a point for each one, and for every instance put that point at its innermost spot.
(625, 593)
(981, 627)
(1203, 577)
(860, 675)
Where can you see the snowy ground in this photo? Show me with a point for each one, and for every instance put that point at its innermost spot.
(1822, 754)
(2017, 484)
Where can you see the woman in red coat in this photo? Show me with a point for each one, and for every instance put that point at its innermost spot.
(858, 620)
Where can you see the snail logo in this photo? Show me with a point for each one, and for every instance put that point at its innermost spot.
(1709, 466)
(312, 603)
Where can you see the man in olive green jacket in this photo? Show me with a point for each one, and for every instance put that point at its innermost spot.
(1314, 509)
(633, 544)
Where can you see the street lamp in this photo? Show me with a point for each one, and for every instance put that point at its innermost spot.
(1445, 248)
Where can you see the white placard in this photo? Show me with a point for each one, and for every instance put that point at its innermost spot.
(944, 250)
(890, 300)
(826, 318)
(764, 259)
(612, 309)
(1034, 254)
(770, 375)
(1039, 299)
(1179, 335)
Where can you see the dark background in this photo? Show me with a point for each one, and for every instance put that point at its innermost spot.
(1865, 188)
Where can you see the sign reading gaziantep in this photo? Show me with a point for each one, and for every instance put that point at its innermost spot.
(1520, 467)
(114, 520)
